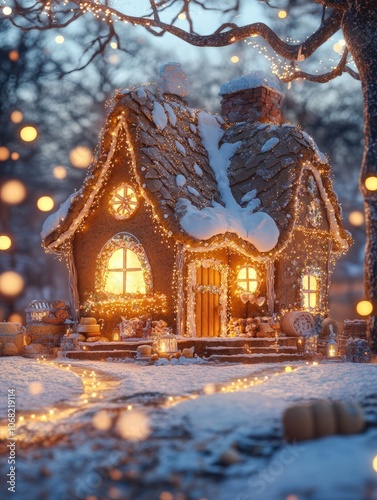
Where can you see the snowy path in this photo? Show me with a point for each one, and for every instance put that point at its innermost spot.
(208, 434)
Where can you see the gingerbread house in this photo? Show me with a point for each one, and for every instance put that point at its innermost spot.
(195, 218)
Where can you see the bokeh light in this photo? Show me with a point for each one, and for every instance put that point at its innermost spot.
(133, 425)
(4, 153)
(13, 192)
(60, 172)
(234, 59)
(102, 420)
(113, 45)
(342, 42)
(5, 242)
(14, 55)
(11, 283)
(7, 11)
(182, 16)
(45, 203)
(282, 14)
(80, 157)
(28, 133)
(59, 39)
(371, 183)
(15, 155)
(15, 318)
(35, 388)
(356, 218)
(16, 116)
(114, 59)
(337, 48)
(375, 463)
(364, 308)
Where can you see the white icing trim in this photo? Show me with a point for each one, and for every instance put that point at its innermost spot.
(84, 211)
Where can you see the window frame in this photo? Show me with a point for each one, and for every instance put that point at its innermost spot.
(248, 280)
(115, 192)
(125, 241)
(308, 292)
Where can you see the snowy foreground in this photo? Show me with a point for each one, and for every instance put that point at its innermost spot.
(121, 430)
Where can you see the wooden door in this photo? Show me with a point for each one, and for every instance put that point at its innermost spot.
(207, 302)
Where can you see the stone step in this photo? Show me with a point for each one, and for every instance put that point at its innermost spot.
(113, 346)
(256, 358)
(99, 355)
(230, 351)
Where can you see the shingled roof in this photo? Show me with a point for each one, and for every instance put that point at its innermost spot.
(173, 169)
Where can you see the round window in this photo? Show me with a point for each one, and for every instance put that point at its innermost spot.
(123, 202)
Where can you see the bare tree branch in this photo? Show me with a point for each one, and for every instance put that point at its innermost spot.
(325, 77)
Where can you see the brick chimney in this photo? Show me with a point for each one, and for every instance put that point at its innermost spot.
(255, 97)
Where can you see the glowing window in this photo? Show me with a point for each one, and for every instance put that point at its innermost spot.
(247, 279)
(309, 288)
(125, 273)
(123, 202)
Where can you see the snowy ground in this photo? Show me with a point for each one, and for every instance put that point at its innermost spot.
(37, 386)
(197, 439)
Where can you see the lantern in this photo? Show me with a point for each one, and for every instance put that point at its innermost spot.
(116, 334)
(167, 343)
(300, 344)
(332, 346)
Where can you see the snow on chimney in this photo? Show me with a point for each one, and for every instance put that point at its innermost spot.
(256, 97)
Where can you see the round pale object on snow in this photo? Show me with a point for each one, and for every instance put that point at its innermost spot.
(144, 350)
(298, 423)
(350, 417)
(324, 418)
(10, 349)
(187, 353)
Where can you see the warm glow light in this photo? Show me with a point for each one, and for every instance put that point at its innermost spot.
(4, 153)
(80, 157)
(59, 39)
(288, 369)
(13, 192)
(15, 318)
(45, 203)
(35, 388)
(125, 273)
(282, 14)
(11, 283)
(234, 59)
(114, 59)
(102, 421)
(14, 55)
(371, 183)
(113, 45)
(364, 308)
(15, 155)
(28, 134)
(182, 16)
(5, 242)
(7, 11)
(16, 116)
(60, 172)
(356, 218)
(375, 463)
(337, 48)
(342, 42)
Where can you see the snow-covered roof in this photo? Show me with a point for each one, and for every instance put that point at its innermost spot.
(252, 80)
(207, 183)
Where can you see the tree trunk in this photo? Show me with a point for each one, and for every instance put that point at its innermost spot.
(360, 31)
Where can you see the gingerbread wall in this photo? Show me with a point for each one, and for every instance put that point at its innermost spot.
(101, 226)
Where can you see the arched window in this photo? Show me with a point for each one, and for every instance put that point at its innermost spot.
(123, 267)
(123, 202)
(247, 279)
(310, 289)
